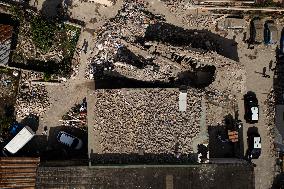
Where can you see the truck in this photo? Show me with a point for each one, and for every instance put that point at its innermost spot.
(19, 141)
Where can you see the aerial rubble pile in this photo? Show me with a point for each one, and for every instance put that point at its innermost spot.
(32, 98)
(270, 119)
(8, 85)
(77, 116)
(218, 105)
(146, 119)
(193, 19)
(230, 76)
(130, 46)
(129, 24)
(199, 21)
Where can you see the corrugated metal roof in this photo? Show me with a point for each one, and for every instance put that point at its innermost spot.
(18, 172)
(6, 32)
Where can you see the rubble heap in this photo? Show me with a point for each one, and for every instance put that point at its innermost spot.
(132, 45)
(190, 17)
(77, 116)
(270, 120)
(32, 98)
(129, 120)
(8, 83)
(129, 24)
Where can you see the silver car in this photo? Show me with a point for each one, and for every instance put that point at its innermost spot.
(69, 140)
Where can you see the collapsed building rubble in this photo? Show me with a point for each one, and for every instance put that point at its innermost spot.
(32, 97)
(77, 116)
(146, 48)
(147, 119)
(130, 120)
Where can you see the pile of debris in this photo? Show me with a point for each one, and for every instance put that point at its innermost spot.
(77, 116)
(131, 120)
(8, 83)
(136, 45)
(129, 24)
(190, 17)
(219, 105)
(32, 98)
(270, 120)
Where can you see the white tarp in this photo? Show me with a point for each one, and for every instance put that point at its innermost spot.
(182, 101)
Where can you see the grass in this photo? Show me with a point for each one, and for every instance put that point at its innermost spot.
(43, 32)
(48, 35)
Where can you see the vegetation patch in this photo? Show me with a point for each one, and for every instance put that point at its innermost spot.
(43, 32)
(44, 44)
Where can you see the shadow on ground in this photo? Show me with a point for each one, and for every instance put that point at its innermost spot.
(51, 8)
(57, 150)
(199, 39)
(34, 148)
(199, 78)
(32, 121)
(219, 144)
(278, 182)
(147, 158)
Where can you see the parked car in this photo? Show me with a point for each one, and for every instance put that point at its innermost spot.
(282, 43)
(270, 32)
(251, 107)
(254, 146)
(69, 140)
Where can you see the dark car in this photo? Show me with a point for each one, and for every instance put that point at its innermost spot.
(270, 32)
(256, 31)
(282, 43)
(251, 107)
(254, 146)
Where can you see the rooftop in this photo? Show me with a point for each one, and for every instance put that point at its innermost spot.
(200, 176)
(18, 172)
(5, 43)
(131, 120)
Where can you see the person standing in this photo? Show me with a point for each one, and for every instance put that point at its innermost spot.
(264, 72)
(270, 65)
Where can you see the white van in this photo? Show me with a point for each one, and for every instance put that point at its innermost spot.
(20, 140)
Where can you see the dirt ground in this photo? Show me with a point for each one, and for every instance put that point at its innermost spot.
(66, 95)
(264, 170)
